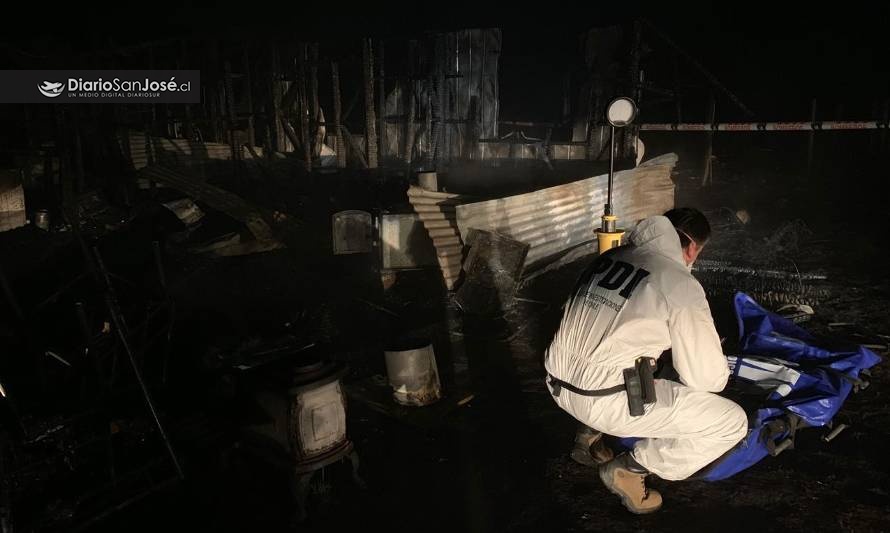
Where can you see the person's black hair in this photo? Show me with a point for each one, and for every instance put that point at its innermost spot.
(690, 223)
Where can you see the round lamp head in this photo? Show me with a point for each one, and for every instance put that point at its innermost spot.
(621, 112)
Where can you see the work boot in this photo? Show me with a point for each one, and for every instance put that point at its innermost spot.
(625, 478)
(590, 449)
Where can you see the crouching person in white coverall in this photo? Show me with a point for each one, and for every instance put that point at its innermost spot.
(634, 301)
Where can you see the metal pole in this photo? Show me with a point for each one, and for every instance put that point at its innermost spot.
(707, 171)
(441, 55)
(251, 131)
(811, 140)
(370, 119)
(589, 123)
(121, 329)
(837, 142)
(340, 146)
(313, 100)
(304, 107)
(465, 138)
(187, 119)
(381, 105)
(608, 210)
(677, 101)
(408, 152)
(277, 142)
(162, 279)
(231, 122)
(884, 130)
(483, 95)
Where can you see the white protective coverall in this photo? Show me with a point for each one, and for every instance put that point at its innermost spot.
(639, 300)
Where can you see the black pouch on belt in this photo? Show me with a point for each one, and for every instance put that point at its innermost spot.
(640, 385)
(646, 370)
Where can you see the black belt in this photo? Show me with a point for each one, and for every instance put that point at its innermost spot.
(556, 384)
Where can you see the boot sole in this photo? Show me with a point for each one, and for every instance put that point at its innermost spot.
(623, 497)
(589, 459)
(580, 457)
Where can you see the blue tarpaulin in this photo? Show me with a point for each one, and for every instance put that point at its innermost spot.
(804, 381)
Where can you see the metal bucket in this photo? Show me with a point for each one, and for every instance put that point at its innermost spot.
(428, 181)
(41, 219)
(413, 374)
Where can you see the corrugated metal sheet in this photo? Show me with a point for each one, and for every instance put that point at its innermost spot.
(437, 212)
(557, 218)
(144, 150)
(219, 199)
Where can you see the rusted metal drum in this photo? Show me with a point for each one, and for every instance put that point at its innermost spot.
(413, 373)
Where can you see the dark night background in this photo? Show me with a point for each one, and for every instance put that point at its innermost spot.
(775, 57)
(502, 459)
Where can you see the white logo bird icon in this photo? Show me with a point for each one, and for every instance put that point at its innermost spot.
(50, 89)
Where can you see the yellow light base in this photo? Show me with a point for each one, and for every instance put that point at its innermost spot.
(609, 240)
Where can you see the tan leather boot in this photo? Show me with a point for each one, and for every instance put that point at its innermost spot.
(590, 450)
(630, 485)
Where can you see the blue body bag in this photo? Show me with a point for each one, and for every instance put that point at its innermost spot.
(797, 381)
